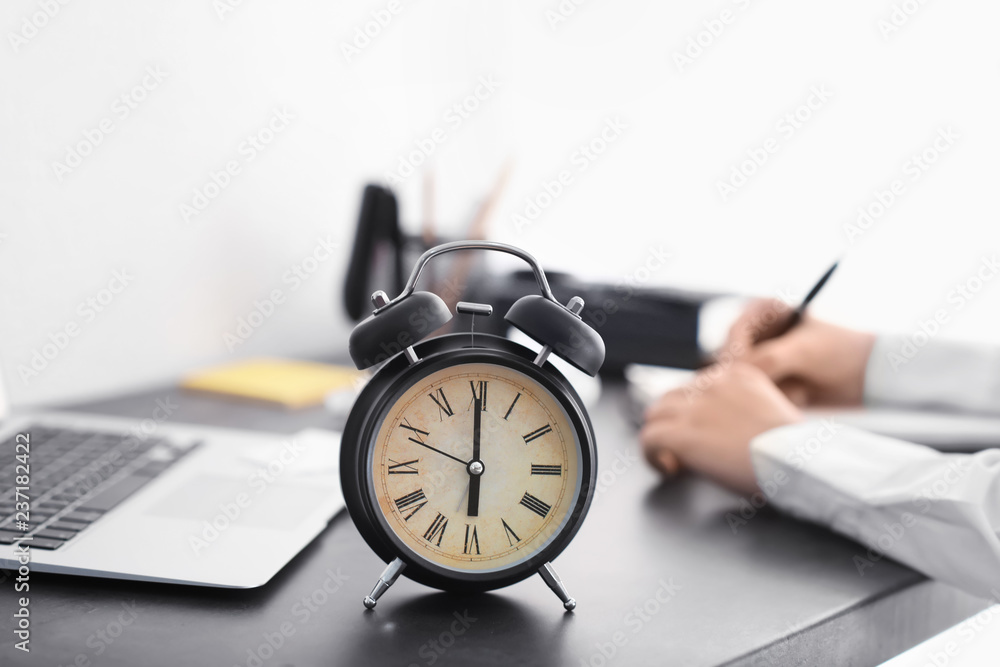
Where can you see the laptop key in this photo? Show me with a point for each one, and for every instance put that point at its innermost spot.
(10, 536)
(48, 505)
(67, 526)
(43, 543)
(109, 497)
(82, 516)
(153, 468)
(53, 534)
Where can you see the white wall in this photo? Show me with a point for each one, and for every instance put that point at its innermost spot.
(656, 184)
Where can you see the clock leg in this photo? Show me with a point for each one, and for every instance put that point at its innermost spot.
(551, 578)
(388, 578)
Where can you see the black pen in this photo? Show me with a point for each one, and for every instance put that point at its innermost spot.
(798, 313)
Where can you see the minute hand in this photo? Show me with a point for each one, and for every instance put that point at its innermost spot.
(435, 449)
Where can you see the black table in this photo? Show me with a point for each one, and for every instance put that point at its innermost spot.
(659, 575)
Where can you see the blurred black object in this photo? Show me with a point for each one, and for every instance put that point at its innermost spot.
(639, 325)
(643, 325)
(378, 235)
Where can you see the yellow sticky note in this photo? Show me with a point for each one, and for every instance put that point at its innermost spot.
(294, 384)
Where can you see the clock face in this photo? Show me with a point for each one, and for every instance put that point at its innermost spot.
(476, 467)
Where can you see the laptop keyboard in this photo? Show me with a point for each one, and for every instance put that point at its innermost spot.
(76, 476)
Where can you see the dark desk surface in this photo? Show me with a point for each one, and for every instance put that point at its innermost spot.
(776, 592)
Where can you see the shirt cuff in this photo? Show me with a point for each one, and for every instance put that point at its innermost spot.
(779, 457)
(825, 471)
(932, 511)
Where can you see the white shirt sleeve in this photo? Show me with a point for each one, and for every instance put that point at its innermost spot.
(938, 513)
(936, 374)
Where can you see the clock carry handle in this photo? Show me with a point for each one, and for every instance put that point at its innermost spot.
(394, 326)
(543, 283)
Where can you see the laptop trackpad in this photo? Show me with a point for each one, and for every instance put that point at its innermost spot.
(208, 497)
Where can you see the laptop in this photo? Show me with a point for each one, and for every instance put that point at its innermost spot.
(152, 500)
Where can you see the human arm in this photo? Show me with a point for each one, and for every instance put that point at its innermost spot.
(940, 511)
(938, 374)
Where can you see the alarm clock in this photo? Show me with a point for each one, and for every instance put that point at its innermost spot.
(468, 461)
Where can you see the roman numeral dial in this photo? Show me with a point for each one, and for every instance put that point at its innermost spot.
(436, 529)
(411, 503)
(535, 505)
(471, 540)
(410, 467)
(444, 407)
(537, 433)
(475, 466)
(479, 392)
(509, 533)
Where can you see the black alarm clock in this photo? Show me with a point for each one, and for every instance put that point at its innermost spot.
(468, 461)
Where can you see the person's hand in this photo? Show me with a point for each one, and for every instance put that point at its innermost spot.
(815, 363)
(708, 429)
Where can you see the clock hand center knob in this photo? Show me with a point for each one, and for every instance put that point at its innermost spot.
(476, 468)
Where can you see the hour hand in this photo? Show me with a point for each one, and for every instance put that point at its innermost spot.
(475, 465)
